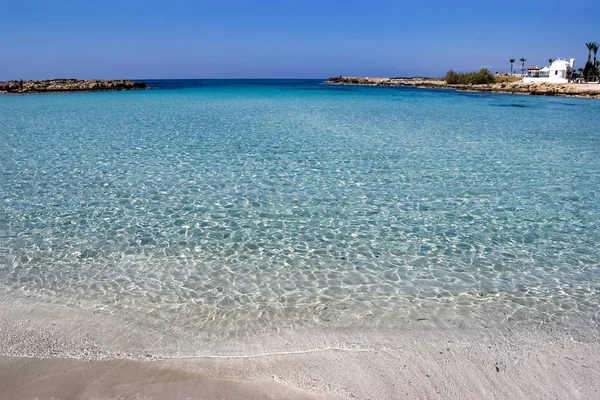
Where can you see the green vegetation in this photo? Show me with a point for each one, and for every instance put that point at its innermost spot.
(469, 78)
(508, 79)
(591, 71)
(512, 61)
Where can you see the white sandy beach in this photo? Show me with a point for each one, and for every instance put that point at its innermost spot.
(56, 352)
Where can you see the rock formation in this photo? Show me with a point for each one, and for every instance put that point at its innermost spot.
(70, 85)
(546, 89)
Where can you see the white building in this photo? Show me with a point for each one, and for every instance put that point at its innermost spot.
(559, 72)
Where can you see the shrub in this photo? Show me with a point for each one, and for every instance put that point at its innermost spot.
(469, 78)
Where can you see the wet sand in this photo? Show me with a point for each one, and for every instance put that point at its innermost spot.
(62, 353)
(31, 378)
(423, 370)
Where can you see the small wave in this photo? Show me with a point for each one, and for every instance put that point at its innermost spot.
(318, 89)
(514, 105)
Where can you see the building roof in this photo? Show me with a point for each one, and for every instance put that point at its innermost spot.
(533, 68)
(560, 65)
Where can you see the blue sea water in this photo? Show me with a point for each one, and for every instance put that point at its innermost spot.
(230, 206)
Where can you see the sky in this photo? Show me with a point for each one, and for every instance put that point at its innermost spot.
(286, 39)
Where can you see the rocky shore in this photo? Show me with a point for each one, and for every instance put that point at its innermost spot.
(590, 90)
(70, 85)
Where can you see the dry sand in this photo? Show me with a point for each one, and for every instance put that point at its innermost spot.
(91, 356)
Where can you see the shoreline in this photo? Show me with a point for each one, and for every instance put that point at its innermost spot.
(424, 368)
(51, 351)
(578, 90)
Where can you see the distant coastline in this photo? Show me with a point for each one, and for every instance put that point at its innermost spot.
(69, 85)
(546, 89)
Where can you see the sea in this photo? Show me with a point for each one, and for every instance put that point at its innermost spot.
(229, 208)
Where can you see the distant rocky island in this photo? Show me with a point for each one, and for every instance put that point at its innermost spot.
(70, 85)
(589, 90)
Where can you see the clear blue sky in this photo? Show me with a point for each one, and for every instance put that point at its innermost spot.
(285, 39)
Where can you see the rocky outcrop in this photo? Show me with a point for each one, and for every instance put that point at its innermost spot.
(70, 85)
(422, 82)
(542, 89)
(545, 89)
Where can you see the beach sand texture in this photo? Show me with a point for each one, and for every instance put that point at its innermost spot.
(85, 355)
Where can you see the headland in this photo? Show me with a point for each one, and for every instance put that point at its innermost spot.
(589, 90)
(70, 85)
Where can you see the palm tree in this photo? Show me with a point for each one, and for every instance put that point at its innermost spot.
(550, 61)
(522, 65)
(589, 47)
(512, 61)
(588, 71)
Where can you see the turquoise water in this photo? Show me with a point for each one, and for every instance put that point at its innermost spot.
(230, 206)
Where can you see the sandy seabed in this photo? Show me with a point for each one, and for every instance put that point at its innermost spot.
(55, 352)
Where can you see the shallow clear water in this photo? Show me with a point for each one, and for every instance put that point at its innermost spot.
(230, 206)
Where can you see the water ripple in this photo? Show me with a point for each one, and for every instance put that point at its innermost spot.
(235, 209)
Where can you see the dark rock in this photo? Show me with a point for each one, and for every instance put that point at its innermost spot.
(70, 85)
